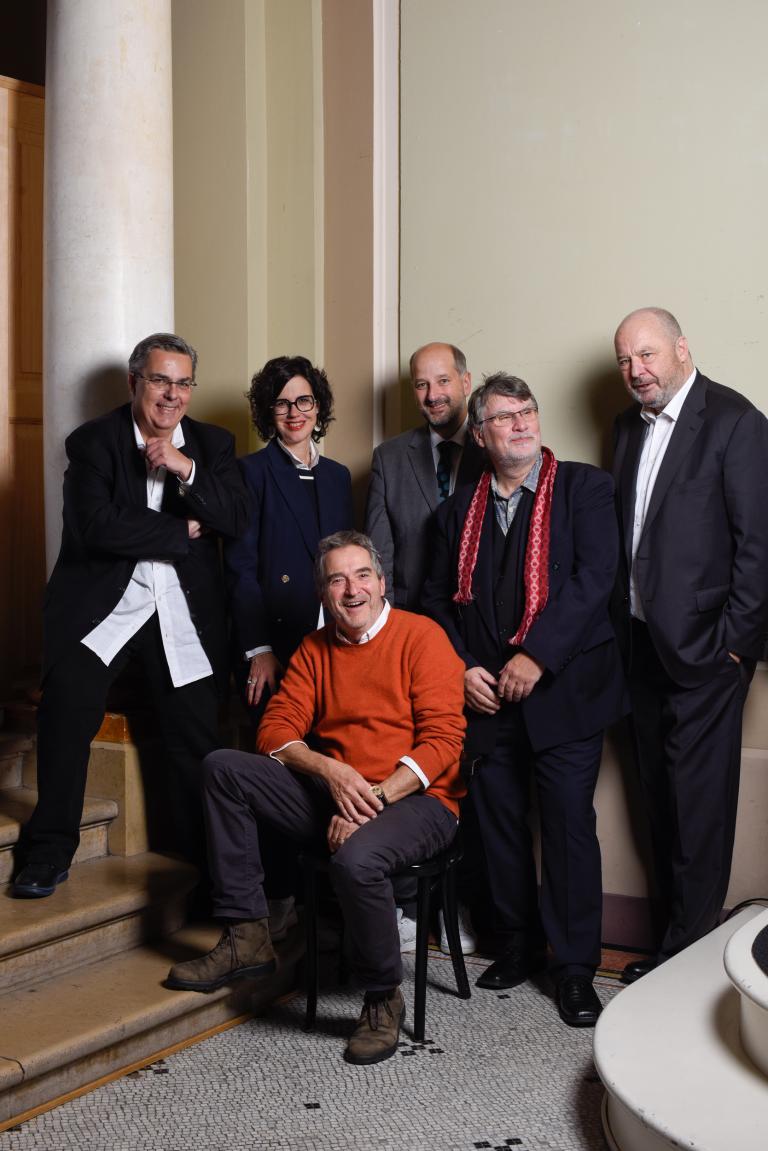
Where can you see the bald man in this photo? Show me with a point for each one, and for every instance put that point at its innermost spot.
(413, 473)
(691, 472)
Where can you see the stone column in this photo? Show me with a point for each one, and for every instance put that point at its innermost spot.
(108, 263)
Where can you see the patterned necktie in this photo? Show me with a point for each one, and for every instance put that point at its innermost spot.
(444, 468)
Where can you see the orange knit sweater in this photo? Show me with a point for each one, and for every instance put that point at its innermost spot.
(402, 693)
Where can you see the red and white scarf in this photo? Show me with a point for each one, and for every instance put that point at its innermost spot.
(536, 567)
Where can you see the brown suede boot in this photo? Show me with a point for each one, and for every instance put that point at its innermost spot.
(377, 1033)
(244, 951)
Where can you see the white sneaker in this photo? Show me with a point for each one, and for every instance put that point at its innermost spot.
(467, 936)
(406, 930)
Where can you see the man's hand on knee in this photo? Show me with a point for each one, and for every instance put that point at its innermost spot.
(351, 793)
(339, 831)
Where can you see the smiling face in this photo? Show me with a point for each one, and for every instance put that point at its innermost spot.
(441, 392)
(353, 595)
(158, 407)
(654, 363)
(515, 443)
(294, 427)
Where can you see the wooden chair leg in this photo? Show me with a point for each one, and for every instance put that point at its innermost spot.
(311, 964)
(422, 942)
(451, 918)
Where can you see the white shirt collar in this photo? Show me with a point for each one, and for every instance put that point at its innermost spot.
(177, 439)
(457, 438)
(372, 632)
(314, 454)
(673, 408)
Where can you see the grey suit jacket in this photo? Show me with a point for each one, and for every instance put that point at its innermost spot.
(402, 499)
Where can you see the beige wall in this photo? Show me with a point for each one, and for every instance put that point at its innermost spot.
(562, 164)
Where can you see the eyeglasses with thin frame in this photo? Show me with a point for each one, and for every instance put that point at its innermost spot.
(301, 403)
(501, 419)
(162, 382)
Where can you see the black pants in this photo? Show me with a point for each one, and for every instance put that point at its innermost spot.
(571, 879)
(241, 789)
(70, 714)
(688, 750)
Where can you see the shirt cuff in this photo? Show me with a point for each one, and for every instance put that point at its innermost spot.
(406, 759)
(257, 651)
(275, 753)
(187, 484)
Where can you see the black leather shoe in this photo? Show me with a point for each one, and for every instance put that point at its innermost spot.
(510, 971)
(37, 880)
(577, 1001)
(636, 970)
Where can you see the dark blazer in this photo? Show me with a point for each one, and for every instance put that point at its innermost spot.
(702, 563)
(402, 500)
(582, 690)
(270, 573)
(108, 528)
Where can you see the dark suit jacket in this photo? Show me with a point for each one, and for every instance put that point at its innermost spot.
(108, 528)
(402, 500)
(582, 689)
(270, 574)
(702, 563)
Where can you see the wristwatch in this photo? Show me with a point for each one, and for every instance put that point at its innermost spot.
(378, 791)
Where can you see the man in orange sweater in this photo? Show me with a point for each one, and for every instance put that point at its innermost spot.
(380, 694)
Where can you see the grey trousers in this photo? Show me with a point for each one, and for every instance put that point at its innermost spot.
(239, 788)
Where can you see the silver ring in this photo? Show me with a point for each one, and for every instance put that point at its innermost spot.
(251, 680)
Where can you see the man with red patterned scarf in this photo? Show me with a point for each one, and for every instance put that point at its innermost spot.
(524, 564)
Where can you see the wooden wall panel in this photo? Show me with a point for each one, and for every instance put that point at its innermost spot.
(22, 563)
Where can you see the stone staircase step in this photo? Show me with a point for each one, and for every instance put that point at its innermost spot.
(106, 906)
(76, 1028)
(16, 806)
(13, 748)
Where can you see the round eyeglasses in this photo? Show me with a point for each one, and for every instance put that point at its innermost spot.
(301, 403)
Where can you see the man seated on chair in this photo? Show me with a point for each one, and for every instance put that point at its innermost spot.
(359, 755)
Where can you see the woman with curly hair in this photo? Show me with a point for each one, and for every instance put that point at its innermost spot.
(297, 498)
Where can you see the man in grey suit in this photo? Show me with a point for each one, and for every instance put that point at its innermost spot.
(411, 475)
(414, 472)
(691, 471)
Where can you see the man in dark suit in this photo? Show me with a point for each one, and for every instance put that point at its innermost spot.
(523, 569)
(691, 468)
(147, 493)
(414, 472)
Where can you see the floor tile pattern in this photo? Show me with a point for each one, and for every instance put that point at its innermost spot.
(497, 1071)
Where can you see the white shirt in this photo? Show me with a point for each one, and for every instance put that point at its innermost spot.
(154, 587)
(459, 438)
(659, 428)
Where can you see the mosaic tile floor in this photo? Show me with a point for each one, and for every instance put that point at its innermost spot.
(497, 1071)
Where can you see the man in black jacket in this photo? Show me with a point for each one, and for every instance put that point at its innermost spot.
(147, 493)
(523, 568)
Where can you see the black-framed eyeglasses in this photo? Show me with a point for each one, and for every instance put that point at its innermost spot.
(500, 419)
(301, 403)
(162, 382)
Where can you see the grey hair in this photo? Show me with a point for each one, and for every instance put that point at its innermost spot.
(498, 384)
(459, 359)
(164, 342)
(344, 539)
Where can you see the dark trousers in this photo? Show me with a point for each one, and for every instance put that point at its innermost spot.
(688, 750)
(241, 789)
(71, 711)
(571, 879)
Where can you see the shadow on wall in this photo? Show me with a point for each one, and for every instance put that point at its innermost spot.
(604, 398)
(103, 388)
